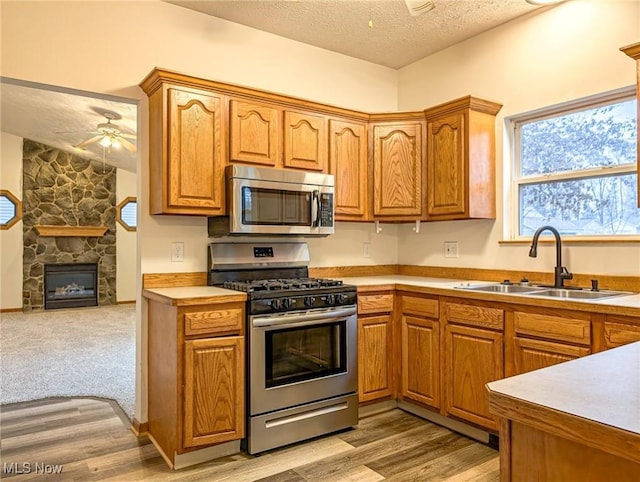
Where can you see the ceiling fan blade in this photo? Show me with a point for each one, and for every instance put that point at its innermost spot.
(127, 136)
(89, 141)
(126, 144)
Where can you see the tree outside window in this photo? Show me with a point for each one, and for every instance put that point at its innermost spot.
(576, 169)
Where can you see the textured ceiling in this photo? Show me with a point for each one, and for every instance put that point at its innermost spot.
(63, 120)
(396, 39)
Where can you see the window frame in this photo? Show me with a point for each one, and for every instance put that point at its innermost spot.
(119, 207)
(18, 205)
(512, 171)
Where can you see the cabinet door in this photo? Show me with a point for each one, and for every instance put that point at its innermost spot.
(196, 153)
(530, 355)
(618, 334)
(305, 141)
(374, 358)
(446, 169)
(473, 358)
(348, 163)
(397, 170)
(254, 136)
(420, 360)
(213, 390)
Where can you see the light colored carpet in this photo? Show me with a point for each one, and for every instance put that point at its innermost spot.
(69, 352)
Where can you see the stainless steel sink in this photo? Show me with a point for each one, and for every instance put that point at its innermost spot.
(579, 294)
(500, 288)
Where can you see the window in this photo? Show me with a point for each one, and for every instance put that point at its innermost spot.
(10, 209)
(126, 214)
(575, 168)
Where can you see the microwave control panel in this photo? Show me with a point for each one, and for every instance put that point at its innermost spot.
(326, 210)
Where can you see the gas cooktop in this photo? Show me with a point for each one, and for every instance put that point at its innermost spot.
(281, 284)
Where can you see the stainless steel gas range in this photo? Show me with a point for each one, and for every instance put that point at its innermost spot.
(302, 375)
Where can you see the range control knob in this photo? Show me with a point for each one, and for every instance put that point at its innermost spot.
(309, 300)
(340, 298)
(275, 304)
(331, 299)
(286, 303)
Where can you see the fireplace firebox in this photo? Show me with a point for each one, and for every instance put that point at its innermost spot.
(70, 285)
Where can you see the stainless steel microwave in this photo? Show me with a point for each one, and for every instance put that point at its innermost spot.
(269, 201)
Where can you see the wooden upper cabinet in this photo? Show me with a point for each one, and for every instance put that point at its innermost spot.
(186, 151)
(397, 171)
(348, 163)
(305, 141)
(633, 51)
(254, 133)
(461, 159)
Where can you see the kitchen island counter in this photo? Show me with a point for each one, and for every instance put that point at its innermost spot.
(578, 420)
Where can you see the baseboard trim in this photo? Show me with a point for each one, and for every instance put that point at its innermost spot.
(126, 302)
(10, 310)
(451, 424)
(139, 429)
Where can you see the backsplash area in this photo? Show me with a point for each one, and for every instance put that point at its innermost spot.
(62, 189)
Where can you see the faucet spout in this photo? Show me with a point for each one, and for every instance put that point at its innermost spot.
(560, 272)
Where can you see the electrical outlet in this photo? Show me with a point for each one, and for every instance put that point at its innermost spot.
(450, 249)
(177, 252)
(366, 250)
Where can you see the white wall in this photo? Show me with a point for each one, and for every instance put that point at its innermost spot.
(109, 47)
(11, 239)
(126, 259)
(567, 52)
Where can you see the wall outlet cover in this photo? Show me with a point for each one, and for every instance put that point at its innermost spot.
(177, 252)
(450, 249)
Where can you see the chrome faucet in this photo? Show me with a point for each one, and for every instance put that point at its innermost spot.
(560, 272)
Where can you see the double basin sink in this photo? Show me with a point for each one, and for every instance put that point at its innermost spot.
(526, 290)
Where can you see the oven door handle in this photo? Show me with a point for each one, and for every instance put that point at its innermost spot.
(306, 319)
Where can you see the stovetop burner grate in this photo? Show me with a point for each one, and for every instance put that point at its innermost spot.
(251, 286)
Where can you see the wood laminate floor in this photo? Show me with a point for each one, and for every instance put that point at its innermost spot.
(90, 439)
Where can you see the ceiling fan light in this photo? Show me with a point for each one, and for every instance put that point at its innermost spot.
(539, 3)
(105, 141)
(116, 143)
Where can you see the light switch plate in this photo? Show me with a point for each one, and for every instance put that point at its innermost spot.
(450, 249)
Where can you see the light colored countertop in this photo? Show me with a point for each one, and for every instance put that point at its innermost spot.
(623, 305)
(595, 399)
(192, 295)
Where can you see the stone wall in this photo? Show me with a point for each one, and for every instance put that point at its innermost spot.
(63, 189)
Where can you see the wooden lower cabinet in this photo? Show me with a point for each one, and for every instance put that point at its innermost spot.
(375, 345)
(531, 355)
(542, 338)
(196, 381)
(420, 349)
(213, 390)
(473, 358)
(420, 360)
(375, 358)
(620, 330)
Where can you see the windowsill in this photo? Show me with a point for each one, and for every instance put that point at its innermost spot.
(576, 240)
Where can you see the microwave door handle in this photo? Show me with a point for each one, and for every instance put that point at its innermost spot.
(315, 209)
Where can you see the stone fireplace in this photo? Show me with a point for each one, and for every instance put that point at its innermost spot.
(69, 219)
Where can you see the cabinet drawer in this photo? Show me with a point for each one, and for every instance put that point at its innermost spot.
(618, 334)
(380, 303)
(223, 321)
(412, 305)
(553, 327)
(475, 316)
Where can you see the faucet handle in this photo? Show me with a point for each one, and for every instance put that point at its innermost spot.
(565, 273)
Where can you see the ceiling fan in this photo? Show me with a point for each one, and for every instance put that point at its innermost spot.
(110, 135)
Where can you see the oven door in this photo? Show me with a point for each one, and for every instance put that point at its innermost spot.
(274, 207)
(300, 357)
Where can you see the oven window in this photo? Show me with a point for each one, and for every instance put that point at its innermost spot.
(275, 207)
(298, 354)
